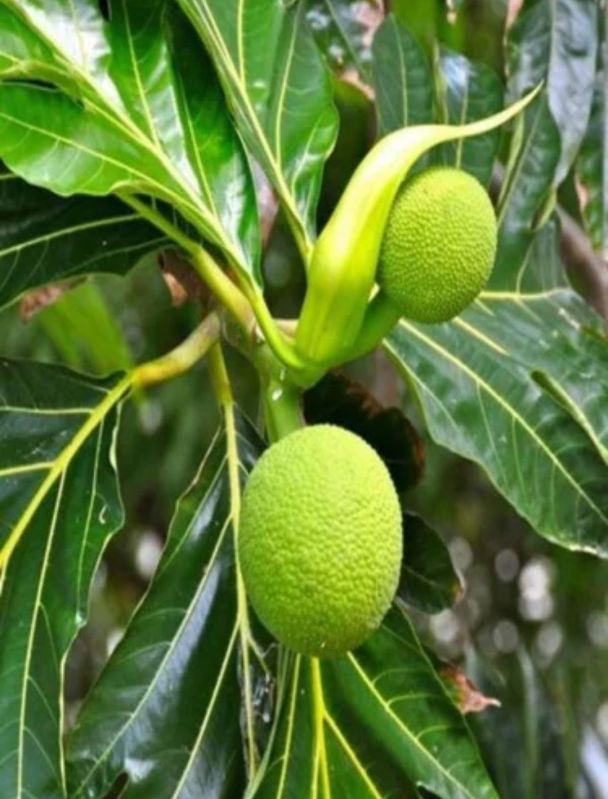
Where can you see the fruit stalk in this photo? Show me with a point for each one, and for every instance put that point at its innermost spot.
(282, 409)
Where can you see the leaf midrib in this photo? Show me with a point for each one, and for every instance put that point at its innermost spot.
(61, 463)
(282, 186)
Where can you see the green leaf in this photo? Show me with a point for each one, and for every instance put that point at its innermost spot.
(543, 268)
(559, 339)
(187, 660)
(466, 92)
(531, 741)
(592, 165)
(374, 723)
(554, 41)
(517, 385)
(402, 77)
(280, 94)
(59, 238)
(179, 670)
(59, 500)
(343, 30)
(469, 91)
(428, 580)
(85, 331)
(128, 115)
(533, 158)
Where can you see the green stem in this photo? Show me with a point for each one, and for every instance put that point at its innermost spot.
(224, 289)
(246, 305)
(182, 358)
(280, 345)
(282, 409)
(220, 284)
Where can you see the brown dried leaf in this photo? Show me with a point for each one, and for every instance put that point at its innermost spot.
(183, 283)
(513, 9)
(352, 77)
(467, 696)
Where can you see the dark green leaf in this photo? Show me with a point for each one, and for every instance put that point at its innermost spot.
(533, 158)
(374, 723)
(45, 238)
(85, 331)
(402, 77)
(525, 740)
(516, 385)
(343, 30)
(559, 339)
(469, 91)
(178, 672)
(428, 581)
(59, 501)
(543, 268)
(555, 42)
(279, 91)
(593, 165)
(338, 400)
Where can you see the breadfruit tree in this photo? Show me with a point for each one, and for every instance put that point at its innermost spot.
(276, 649)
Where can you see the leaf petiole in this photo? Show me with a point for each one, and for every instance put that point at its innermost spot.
(182, 358)
(247, 306)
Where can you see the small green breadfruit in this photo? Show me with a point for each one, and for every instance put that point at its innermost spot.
(320, 540)
(439, 245)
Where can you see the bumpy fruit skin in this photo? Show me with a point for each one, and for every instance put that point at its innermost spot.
(320, 540)
(439, 245)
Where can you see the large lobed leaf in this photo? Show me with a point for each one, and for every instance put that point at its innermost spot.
(469, 91)
(343, 30)
(516, 385)
(59, 502)
(462, 91)
(402, 78)
(428, 579)
(279, 91)
(592, 163)
(184, 706)
(129, 106)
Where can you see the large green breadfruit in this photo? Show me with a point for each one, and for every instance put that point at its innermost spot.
(320, 540)
(439, 245)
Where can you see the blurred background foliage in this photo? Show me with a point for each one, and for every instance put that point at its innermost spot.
(531, 627)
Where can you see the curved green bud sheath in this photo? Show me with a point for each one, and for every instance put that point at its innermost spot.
(345, 257)
(381, 316)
